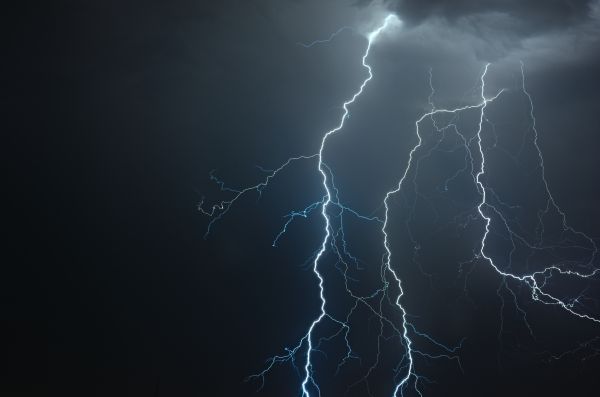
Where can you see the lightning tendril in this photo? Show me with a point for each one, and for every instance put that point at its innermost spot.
(490, 209)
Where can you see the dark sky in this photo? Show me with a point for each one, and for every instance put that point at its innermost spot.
(117, 112)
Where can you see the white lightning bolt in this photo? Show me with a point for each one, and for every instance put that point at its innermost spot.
(388, 256)
(331, 234)
(372, 36)
(529, 279)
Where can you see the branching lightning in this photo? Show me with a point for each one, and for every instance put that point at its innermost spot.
(327, 40)
(489, 209)
(532, 279)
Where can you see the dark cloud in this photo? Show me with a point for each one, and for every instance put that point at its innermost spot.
(537, 15)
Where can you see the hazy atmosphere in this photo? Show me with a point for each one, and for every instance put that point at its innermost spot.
(193, 211)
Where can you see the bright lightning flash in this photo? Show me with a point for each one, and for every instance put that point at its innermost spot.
(333, 239)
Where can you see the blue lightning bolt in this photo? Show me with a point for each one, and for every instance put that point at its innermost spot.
(216, 211)
(334, 239)
(308, 366)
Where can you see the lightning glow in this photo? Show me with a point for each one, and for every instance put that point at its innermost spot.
(308, 378)
(488, 208)
(537, 291)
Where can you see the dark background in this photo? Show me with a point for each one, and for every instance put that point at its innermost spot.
(117, 111)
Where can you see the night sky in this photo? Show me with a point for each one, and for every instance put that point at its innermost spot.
(117, 113)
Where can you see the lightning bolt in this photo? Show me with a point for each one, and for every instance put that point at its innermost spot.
(216, 211)
(532, 280)
(327, 40)
(488, 207)
(327, 230)
(388, 256)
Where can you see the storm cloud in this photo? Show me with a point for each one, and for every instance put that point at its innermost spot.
(528, 16)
